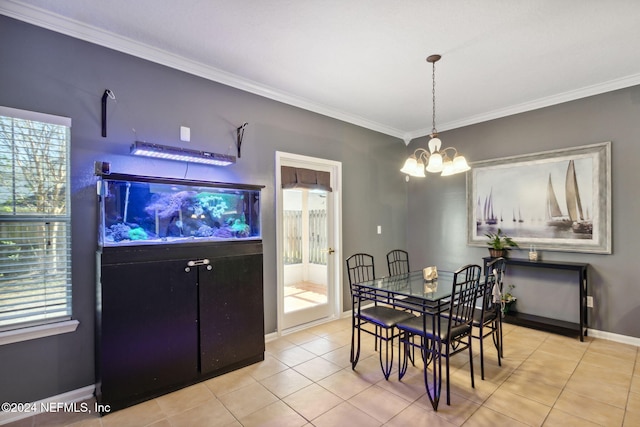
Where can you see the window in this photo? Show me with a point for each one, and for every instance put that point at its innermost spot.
(35, 219)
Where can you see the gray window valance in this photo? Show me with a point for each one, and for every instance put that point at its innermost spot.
(305, 178)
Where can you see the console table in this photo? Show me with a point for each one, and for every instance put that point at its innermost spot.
(545, 323)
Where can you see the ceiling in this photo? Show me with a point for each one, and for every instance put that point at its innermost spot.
(363, 61)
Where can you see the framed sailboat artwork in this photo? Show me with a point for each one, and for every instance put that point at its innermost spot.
(556, 200)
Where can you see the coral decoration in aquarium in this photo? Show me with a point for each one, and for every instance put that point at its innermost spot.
(144, 210)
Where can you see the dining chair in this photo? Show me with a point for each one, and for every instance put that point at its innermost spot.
(487, 319)
(452, 332)
(398, 262)
(360, 268)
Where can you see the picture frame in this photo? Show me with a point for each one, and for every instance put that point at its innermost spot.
(557, 200)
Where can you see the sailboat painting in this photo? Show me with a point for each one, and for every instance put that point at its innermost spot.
(559, 200)
(553, 215)
(489, 217)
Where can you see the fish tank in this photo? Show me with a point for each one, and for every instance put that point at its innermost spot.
(139, 210)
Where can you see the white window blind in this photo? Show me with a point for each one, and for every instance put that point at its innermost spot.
(35, 223)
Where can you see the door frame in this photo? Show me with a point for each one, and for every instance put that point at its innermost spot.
(335, 279)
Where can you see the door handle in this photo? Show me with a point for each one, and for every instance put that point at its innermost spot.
(198, 262)
(329, 251)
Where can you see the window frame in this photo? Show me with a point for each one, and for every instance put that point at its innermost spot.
(32, 329)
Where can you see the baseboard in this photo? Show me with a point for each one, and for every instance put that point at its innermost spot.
(272, 336)
(79, 395)
(614, 337)
(275, 335)
(304, 326)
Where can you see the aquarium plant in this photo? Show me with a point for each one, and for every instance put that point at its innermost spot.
(213, 204)
(167, 205)
(138, 234)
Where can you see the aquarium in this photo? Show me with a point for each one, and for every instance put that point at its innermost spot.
(138, 210)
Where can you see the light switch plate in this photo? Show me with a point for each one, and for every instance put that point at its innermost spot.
(185, 134)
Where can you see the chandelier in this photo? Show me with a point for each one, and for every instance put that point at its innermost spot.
(445, 161)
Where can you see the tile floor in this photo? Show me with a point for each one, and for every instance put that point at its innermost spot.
(306, 380)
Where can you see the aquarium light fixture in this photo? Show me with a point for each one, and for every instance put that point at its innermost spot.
(436, 159)
(139, 148)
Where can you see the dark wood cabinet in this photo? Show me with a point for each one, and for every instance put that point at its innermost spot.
(230, 311)
(168, 317)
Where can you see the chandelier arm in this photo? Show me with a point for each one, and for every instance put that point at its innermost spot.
(421, 152)
(455, 151)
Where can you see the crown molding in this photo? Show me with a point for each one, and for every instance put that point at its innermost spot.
(79, 30)
(560, 98)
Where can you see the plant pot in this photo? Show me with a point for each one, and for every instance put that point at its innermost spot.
(497, 253)
(507, 306)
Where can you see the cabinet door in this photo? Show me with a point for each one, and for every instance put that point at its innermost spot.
(231, 312)
(149, 332)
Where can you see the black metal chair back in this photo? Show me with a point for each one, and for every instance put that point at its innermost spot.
(487, 319)
(491, 296)
(466, 282)
(360, 268)
(398, 262)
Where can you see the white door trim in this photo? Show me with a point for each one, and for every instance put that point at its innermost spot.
(297, 160)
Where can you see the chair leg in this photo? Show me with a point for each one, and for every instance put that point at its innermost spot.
(388, 363)
(425, 350)
(375, 344)
(404, 354)
(499, 338)
(473, 385)
(447, 372)
(481, 335)
(433, 392)
(355, 349)
(412, 355)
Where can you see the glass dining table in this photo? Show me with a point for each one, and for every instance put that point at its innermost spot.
(410, 291)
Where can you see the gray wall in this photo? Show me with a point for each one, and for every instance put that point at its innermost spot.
(51, 73)
(47, 72)
(437, 207)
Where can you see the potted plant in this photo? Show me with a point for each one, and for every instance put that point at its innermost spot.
(499, 243)
(508, 299)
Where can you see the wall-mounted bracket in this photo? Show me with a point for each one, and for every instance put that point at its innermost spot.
(240, 136)
(107, 94)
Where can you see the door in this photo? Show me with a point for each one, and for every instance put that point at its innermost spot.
(149, 330)
(308, 244)
(231, 312)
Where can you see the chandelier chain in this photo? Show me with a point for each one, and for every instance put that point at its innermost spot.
(433, 95)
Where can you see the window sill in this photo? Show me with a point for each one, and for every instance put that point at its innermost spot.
(40, 331)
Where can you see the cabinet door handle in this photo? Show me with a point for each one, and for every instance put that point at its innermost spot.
(193, 263)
